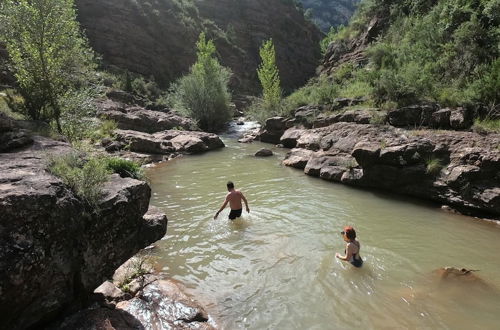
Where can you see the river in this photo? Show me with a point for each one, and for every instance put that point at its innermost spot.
(275, 268)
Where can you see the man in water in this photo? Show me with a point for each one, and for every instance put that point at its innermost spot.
(234, 198)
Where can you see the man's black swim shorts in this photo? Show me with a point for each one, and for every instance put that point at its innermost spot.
(235, 214)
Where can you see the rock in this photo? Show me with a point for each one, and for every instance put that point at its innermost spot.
(460, 169)
(140, 119)
(110, 292)
(273, 129)
(100, 318)
(412, 116)
(169, 142)
(290, 137)
(264, 153)
(124, 97)
(247, 139)
(298, 158)
(157, 42)
(163, 305)
(54, 251)
(460, 118)
(441, 118)
(240, 123)
(10, 141)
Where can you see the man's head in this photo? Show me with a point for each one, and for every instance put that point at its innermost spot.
(230, 185)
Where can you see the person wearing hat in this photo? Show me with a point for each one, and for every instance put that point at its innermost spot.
(352, 248)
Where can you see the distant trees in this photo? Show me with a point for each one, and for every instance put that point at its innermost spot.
(269, 75)
(204, 94)
(49, 55)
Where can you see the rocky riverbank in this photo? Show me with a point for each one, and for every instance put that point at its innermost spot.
(460, 169)
(54, 250)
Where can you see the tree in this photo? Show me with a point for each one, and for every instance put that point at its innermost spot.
(49, 55)
(203, 94)
(269, 76)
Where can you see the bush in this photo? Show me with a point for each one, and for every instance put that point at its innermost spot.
(486, 126)
(85, 177)
(203, 94)
(433, 165)
(318, 92)
(125, 168)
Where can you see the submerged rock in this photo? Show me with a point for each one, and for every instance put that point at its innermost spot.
(264, 153)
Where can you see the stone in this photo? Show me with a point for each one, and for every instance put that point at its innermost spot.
(110, 292)
(54, 251)
(441, 118)
(137, 118)
(264, 153)
(162, 304)
(395, 159)
(460, 118)
(290, 137)
(297, 158)
(169, 142)
(412, 116)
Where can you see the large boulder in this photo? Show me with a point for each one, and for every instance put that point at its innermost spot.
(54, 249)
(412, 116)
(169, 142)
(140, 119)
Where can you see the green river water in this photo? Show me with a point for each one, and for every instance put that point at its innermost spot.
(275, 268)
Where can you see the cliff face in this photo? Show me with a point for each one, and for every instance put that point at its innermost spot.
(54, 252)
(157, 38)
(328, 13)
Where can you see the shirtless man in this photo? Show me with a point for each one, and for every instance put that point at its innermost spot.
(234, 198)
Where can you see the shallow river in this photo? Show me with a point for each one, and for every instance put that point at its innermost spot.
(275, 268)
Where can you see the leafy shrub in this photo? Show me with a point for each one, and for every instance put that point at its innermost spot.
(203, 94)
(125, 168)
(85, 177)
(317, 92)
(433, 165)
(486, 126)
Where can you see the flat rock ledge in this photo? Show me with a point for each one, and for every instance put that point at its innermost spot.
(165, 143)
(460, 169)
(54, 251)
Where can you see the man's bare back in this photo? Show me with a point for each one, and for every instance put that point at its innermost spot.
(233, 198)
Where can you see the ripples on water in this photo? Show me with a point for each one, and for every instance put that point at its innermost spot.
(275, 267)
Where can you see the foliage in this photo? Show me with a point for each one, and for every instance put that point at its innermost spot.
(77, 119)
(486, 126)
(203, 94)
(49, 55)
(85, 177)
(444, 51)
(433, 165)
(125, 168)
(317, 92)
(269, 76)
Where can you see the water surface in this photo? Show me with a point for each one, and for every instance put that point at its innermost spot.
(275, 268)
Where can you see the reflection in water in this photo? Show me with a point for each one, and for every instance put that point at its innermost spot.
(275, 267)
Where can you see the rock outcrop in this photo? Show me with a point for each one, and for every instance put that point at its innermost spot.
(157, 38)
(159, 304)
(327, 13)
(54, 251)
(138, 118)
(167, 142)
(461, 169)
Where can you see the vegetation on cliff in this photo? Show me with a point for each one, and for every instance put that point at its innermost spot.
(443, 51)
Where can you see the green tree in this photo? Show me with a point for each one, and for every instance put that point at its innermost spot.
(49, 55)
(269, 76)
(203, 94)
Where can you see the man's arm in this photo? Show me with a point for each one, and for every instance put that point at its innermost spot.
(245, 200)
(222, 207)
